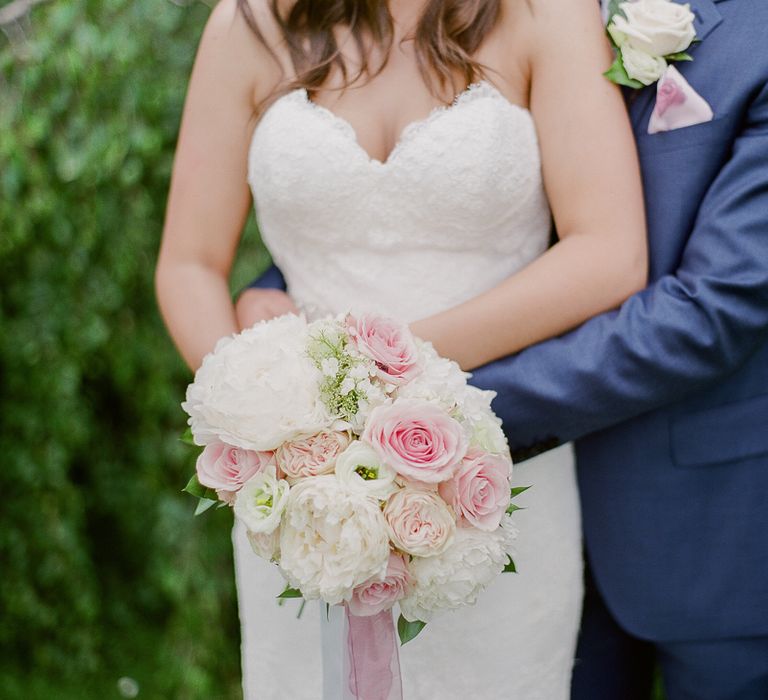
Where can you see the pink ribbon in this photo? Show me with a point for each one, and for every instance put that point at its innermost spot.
(372, 667)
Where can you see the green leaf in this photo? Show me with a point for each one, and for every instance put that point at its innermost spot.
(197, 489)
(187, 438)
(204, 504)
(407, 630)
(510, 568)
(618, 74)
(682, 56)
(512, 508)
(518, 490)
(290, 593)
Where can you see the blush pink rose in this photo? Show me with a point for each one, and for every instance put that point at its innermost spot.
(226, 468)
(311, 456)
(417, 439)
(479, 490)
(420, 523)
(389, 344)
(377, 595)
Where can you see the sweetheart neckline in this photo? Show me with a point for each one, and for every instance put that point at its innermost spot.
(482, 88)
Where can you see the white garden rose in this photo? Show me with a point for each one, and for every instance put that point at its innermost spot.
(655, 27)
(260, 503)
(332, 539)
(455, 578)
(642, 66)
(359, 467)
(420, 522)
(258, 389)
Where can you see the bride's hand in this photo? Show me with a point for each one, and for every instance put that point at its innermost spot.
(255, 305)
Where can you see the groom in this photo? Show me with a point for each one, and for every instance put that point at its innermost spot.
(667, 399)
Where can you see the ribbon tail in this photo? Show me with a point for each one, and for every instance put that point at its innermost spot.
(372, 662)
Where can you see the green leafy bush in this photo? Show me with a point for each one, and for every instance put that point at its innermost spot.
(104, 572)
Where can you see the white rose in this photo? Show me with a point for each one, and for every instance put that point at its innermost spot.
(258, 389)
(641, 66)
(359, 467)
(261, 501)
(655, 27)
(456, 577)
(332, 539)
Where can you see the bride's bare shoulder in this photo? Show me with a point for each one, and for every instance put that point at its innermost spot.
(246, 32)
(549, 21)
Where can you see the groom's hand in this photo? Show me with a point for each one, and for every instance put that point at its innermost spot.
(255, 305)
(263, 299)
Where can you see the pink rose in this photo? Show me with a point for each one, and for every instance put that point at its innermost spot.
(479, 490)
(226, 468)
(389, 344)
(377, 595)
(418, 440)
(311, 456)
(420, 522)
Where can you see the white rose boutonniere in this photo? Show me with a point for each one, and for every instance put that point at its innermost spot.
(648, 35)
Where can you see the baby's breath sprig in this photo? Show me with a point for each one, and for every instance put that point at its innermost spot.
(340, 391)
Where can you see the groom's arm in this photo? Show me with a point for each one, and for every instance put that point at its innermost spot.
(272, 278)
(683, 332)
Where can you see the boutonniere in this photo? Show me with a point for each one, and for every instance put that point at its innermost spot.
(648, 35)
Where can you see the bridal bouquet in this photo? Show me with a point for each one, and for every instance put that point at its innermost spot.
(359, 461)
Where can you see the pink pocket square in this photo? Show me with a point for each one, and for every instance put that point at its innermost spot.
(677, 104)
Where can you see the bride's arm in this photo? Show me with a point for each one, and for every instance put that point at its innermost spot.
(209, 198)
(592, 180)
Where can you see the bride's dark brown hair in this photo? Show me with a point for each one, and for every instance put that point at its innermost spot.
(447, 36)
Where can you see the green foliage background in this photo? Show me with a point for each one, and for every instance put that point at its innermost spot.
(103, 571)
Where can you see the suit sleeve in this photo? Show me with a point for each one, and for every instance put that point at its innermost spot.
(683, 332)
(272, 278)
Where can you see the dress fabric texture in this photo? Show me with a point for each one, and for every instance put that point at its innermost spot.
(457, 207)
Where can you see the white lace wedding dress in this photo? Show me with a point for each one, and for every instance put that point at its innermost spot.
(457, 207)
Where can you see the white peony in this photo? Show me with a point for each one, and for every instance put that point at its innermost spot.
(483, 425)
(260, 503)
(332, 539)
(441, 380)
(642, 66)
(258, 389)
(654, 27)
(456, 577)
(359, 467)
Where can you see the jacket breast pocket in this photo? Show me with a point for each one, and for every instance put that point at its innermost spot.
(726, 433)
(719, 129)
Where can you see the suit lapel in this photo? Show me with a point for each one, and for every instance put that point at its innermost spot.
(707, 17)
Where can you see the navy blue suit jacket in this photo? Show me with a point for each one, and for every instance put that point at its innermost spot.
(667, 397)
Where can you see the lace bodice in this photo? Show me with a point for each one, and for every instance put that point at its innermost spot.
(457, 207)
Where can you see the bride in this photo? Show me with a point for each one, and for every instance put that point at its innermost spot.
(408, 157)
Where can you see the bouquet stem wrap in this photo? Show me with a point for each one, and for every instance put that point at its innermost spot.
(371, 663)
